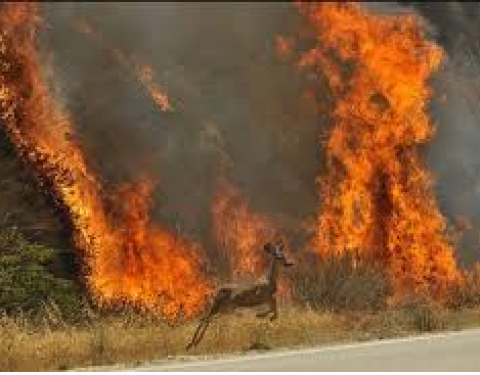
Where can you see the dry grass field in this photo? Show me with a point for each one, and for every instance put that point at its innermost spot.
(129, 338)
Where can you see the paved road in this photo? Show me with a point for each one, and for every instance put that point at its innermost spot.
(458, 351)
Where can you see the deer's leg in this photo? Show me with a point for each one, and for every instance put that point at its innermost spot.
(263, 314)
(202, 327)
(273, 309)
(202, 330)
(269, 310)
(220, 298)
(194, 341)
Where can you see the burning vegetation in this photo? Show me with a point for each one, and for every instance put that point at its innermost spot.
(376, 195)
(128, 260)
(239, 232)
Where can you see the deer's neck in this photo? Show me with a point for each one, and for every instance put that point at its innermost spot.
(273, 274)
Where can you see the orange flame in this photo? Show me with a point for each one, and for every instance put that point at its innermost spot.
(239, 232)
(376, 194)
(130, 259)
(143, 73)
(149, 266)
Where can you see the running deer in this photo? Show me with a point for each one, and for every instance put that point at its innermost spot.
(232, 297)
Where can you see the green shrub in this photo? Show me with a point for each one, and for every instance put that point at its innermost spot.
(25, 281)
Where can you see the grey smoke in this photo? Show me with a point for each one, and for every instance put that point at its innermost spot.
(238, 108)
(454, 155)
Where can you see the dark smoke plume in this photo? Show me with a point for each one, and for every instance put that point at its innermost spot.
(239, 110)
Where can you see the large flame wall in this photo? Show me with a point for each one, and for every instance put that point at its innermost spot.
(121, 156)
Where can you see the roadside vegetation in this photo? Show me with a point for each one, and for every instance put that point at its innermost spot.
(49, 342)
(338, 303)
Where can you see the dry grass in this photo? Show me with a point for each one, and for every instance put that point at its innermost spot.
(343, 283)
(130, 338)
(343, 300)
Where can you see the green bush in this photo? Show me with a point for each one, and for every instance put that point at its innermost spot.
(26, 283)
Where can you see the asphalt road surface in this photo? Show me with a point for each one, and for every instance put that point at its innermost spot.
(457, 351)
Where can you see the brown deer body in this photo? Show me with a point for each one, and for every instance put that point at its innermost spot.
(233, 297)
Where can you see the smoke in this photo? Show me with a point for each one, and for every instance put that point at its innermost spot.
(454, 155)
(239, 111)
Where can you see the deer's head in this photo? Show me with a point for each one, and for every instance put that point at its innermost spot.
(276, 251)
